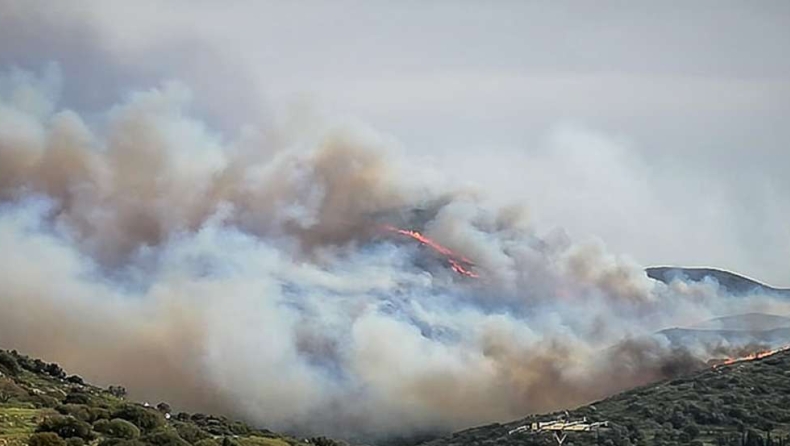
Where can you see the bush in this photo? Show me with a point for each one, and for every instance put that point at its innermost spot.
(692, 431)
(77, 396)
(117, 391)
(164, 438)
(55, 371)
(75, 379)
(121, 442)
(9, 390)
(117, 428)
(145, 419)
(44, 401)
(83, 412)
(75, 441)
(207, 442)
(66, 427)
(101, 425)
(323, 441)
(190, 433)
(46, 439)
(9, 364)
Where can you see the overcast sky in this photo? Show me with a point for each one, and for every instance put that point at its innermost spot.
(660, 127)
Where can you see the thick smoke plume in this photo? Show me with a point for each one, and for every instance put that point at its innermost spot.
(248, 275)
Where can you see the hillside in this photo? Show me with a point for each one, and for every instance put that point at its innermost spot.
(40, 405)
(742, 403)
(734, 283)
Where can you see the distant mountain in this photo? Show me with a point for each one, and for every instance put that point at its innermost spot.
(777, 337)
(745, 403)
(745, 322)
(733, 333)
(734, 283)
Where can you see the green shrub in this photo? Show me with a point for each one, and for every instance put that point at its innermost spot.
(66, 427)
(692, 431)
(146, 419)
(75, 441)
(75, 379)
(121, 442)
(8, 363)
(164, 438)
(46, 439)
(78, 397)
(117, 428)
(190, 432)
(9, 390)
(101, 425)
(207, 442)
(44, 401)
(117, 391)
(324, 441)
(83, 412)
(228, 441)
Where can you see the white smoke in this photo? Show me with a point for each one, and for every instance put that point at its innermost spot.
(247, 275)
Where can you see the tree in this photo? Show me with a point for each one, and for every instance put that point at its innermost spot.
(46, 439)
(117, 391)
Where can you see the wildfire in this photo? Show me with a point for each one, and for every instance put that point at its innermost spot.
(458, 263)
(752, 356)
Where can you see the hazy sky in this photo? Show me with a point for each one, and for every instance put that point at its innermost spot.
(660, 127)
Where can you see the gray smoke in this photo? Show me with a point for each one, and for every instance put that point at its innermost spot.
(247, 275)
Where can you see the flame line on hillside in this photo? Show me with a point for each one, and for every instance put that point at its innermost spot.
(753, 356)
(456, 261)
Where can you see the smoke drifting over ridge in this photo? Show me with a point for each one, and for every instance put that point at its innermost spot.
(245, 275)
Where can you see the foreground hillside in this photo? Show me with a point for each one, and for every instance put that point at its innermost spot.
(745, 403)
(40, 405)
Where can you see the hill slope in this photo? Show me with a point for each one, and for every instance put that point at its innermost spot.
(41, 405)
(734, 283)
(732, 404)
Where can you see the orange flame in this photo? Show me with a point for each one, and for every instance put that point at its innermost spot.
(752, 356)
(456, 261)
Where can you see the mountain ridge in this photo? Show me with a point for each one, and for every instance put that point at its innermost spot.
(732, 282)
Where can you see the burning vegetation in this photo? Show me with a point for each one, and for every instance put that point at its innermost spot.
(457, 263)
(749, 357)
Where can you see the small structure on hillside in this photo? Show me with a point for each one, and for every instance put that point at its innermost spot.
(560, 426)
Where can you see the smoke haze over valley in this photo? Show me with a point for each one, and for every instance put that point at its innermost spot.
(203, 229)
